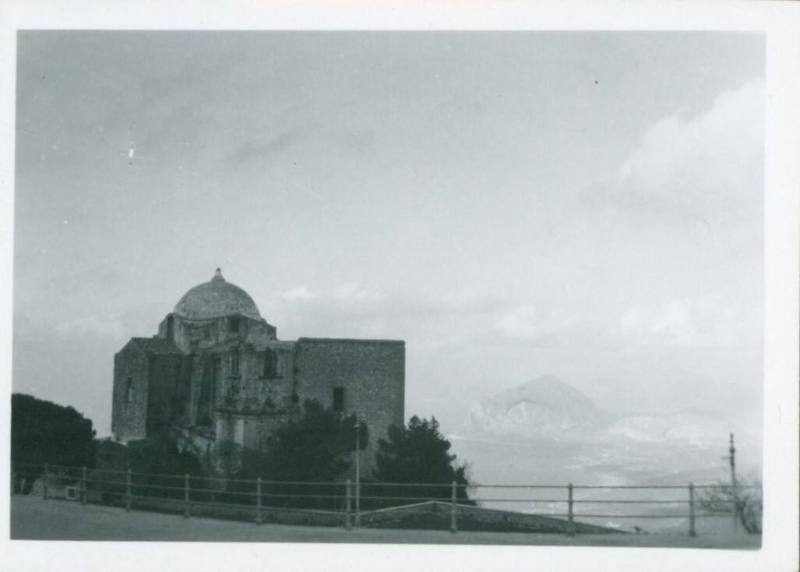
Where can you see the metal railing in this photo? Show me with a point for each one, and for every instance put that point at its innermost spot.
(344, 503)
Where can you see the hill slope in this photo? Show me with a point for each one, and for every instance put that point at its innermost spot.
(544, 407)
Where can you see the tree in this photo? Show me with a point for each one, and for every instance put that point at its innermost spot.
(314, 448)
(43, 432)
(158, 467)
(161, 456)
(746, 500)
(417, 454)
(229, 458)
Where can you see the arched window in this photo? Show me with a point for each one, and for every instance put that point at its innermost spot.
(129, 390)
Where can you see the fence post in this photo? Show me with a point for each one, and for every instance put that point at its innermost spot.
(186, 495)
(570, 512)
(83, 485)
(45, 479)
(357, 488)
(128, 491)
(453, 524)
(692, 531)
(259, 519)
(347, 516)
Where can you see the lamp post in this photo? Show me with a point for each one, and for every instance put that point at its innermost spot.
(731, 457)
(358, 472)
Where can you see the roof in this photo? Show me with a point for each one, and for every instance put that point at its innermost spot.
(157, 346)
(215, 299)
(348, 341)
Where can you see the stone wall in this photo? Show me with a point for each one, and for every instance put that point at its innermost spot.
(371, 372)
(128, 418)
(197, 334)
(168, 377)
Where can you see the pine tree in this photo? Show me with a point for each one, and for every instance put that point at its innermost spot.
(417, 454)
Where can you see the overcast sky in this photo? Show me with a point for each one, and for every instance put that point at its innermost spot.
(587, 205)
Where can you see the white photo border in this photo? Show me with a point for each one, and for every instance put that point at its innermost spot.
(778, 20)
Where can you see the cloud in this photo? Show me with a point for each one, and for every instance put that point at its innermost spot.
(354, 292)
(267, 148)
(356, 141)
(445, 319)
(103, 326)
(711, 321)
(704, 167)
(529, 324)
(354, 296)
(457, 319)
(297, 293)
(352, 309)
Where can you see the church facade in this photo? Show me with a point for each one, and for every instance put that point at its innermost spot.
(216, 372)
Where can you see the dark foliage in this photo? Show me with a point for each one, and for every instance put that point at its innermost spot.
(420, 456)
(313, 449)
(161, 456)
(44, 432)
(158, 468)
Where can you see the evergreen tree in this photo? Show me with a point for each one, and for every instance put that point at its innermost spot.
(43, 432)
(315, 448)
(417, 454)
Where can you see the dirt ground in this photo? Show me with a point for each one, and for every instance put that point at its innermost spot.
(35, 519)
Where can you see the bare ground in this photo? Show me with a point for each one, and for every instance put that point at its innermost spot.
(35, 519)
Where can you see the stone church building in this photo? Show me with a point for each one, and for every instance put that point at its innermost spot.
(216, 371)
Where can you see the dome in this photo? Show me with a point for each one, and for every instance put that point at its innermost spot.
(216, 298)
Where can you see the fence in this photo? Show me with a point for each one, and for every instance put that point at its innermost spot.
(564, 508)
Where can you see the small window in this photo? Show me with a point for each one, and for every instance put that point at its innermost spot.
(216, 369)
(233, 324)
(235, 361)
(338, 399)
(270, 364)
(129, 390)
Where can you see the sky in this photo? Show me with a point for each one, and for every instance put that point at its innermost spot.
(586, 205)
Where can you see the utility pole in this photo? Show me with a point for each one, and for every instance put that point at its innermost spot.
(731, 458)
(358, 472)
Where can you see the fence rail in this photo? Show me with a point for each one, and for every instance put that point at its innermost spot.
(337, 499)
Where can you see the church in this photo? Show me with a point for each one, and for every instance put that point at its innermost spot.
(216, 372)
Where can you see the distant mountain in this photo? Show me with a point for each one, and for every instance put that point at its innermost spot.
(546, 431)
(691, 428)
(545, 407)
